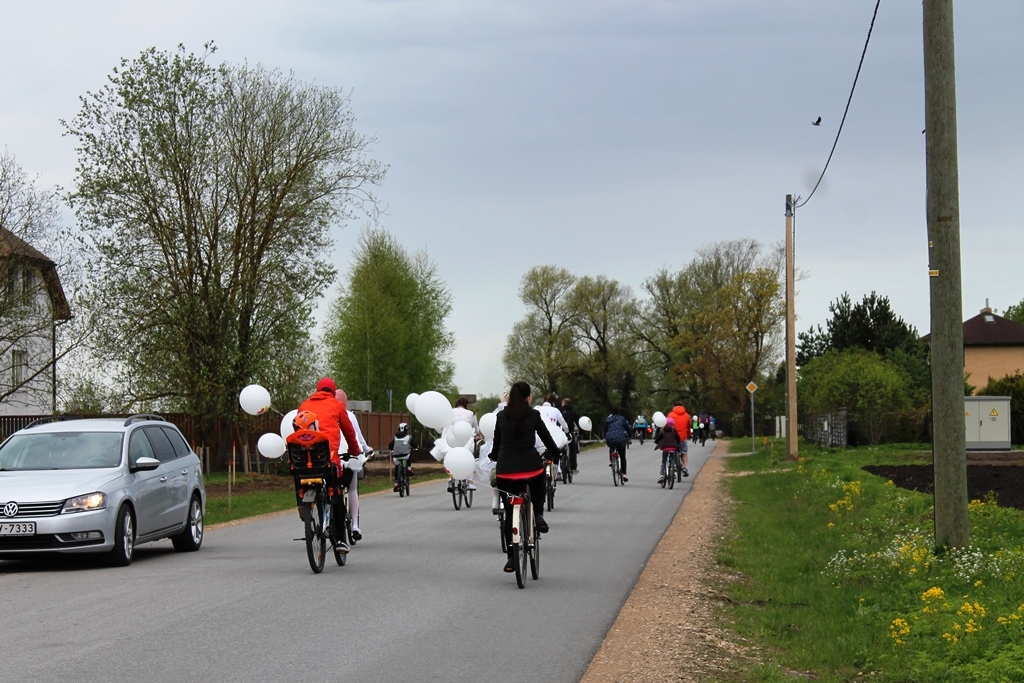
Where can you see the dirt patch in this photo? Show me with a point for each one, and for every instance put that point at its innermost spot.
(668, 629)
(1004, 481)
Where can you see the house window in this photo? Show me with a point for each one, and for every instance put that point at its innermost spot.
(19, 367)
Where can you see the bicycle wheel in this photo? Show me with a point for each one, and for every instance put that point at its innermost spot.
(501, 527)
(671, 478)
(457, 495)
(534, 538)
(519, 549)
(469, 497)
(668, 473)
(316, 541)
(568, 471)
(679, 471)
(401, 480)
(615, 470)
(526, 535)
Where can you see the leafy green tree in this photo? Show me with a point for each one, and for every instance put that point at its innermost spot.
(387, 327)
(1012, 386)
(1015, 313)
(734, 332)
(540, 350)
(206, 195)
(601, 335)
(874, 391)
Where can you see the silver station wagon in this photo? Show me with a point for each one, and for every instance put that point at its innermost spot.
(99, 486)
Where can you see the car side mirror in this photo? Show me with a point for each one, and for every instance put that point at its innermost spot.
(145, 465)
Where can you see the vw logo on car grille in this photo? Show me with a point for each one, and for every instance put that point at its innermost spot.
(11, 509)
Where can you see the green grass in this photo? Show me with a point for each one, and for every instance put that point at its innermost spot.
(253, 503)
(840, 577)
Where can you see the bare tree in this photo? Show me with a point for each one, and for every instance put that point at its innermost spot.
(35, 263)
(206, 195)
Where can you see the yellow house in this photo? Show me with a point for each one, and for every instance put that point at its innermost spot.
(993, 348)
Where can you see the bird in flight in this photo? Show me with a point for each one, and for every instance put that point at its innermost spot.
(816, 123)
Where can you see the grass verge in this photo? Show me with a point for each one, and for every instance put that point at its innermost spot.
(838, 577)
(246, 502)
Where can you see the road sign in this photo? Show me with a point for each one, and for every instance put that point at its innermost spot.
(751, 387)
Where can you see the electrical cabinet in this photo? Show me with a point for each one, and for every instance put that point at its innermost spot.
(987, 421)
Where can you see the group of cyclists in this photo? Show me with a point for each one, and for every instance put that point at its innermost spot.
(516, 454)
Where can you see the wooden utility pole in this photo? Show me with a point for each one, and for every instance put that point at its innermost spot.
(949, 447)
(792, 447)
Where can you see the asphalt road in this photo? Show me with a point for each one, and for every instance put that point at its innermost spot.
(422, 597)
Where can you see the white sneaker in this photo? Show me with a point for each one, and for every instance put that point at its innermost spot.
(470, 487)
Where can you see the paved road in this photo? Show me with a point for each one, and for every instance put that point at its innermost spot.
(423, 596)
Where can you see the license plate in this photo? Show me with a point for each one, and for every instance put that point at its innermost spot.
(17, 528)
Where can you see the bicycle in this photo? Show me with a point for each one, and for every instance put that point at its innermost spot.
(563, 464)
(461, 492)
(525, 539)
(613, 456)
(669, 457)
(316, 484)
(402, 476)
(550, 479)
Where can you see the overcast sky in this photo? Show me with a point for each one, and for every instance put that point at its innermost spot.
(609, 137)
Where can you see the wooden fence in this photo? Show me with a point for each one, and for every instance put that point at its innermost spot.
(225, 441)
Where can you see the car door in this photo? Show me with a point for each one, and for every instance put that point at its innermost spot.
(148, 490)
(173, 477)
(182, 483)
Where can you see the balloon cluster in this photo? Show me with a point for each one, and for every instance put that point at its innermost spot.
(433, 410)
(255, 400)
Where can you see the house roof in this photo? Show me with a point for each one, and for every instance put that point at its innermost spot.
(13, 246)
(989, 329)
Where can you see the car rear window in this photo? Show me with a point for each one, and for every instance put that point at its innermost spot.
(161, 444)
(177, 441)
(61, 451)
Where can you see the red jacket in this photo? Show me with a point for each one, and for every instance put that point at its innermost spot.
(682, 419)
(333, 420)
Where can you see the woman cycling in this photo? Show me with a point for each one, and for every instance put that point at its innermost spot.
(616, 433)
(519, 465)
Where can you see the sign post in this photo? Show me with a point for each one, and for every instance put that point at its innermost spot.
(753, 437)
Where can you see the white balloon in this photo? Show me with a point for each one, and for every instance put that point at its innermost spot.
(254, 399)
(287, 428)
(658, 419)
(463, 431)
(434, 410)
(453, 440)
(585, 424)
(460, 463)
(487, 423)
(557, 435)
(271, 445)
(355, 463)
(410, 402)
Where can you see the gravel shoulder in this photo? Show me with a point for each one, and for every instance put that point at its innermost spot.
(667, 630)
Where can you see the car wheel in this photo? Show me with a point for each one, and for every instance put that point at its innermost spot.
(191, 537)
(124, 539)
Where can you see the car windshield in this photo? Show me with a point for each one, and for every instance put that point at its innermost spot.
(61, 451)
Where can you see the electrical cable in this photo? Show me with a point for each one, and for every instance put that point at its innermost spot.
(845, 111)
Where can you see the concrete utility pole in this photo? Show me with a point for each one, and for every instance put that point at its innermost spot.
(949, 447)
(792, 447)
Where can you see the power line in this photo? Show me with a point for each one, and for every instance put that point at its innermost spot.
(848, 101)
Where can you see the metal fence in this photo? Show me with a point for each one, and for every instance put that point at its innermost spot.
(829, 430)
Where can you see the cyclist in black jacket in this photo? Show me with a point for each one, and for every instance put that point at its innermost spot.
(519, 465)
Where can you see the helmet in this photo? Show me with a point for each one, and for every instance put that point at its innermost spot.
(305, 419)
(670, 421)
(403, 428)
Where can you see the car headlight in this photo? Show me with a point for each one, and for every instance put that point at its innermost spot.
(92, 501)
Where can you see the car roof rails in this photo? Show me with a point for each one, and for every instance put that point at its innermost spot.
(51, 418)
(144, 416)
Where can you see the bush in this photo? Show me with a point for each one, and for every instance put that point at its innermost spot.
(1012, 386)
